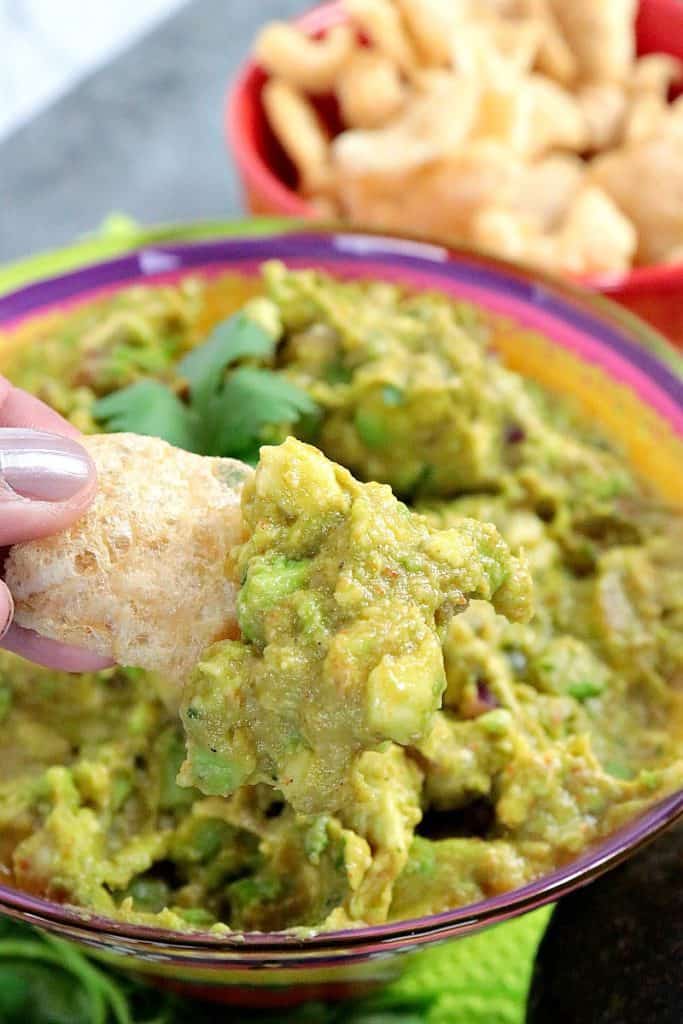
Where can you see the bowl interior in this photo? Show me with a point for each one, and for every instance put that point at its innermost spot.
(621, 373)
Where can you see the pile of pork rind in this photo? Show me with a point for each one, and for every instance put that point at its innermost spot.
(527, 127)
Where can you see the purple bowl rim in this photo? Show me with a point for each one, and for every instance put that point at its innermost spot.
(586, 312)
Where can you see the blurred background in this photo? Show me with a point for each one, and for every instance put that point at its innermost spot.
(116, 108)
(119, 109)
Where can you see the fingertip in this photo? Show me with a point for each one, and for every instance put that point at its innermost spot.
(50, 653)
(36, 503)
(44, 466)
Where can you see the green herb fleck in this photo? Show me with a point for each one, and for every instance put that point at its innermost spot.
(584, 689)
(316, 839)
(391, 395)
(5, 702)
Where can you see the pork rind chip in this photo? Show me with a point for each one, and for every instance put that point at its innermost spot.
(140, 577)
(309, 64)
(495, 51)
(441, 197)
(600, 34)
(645, 180)
(369, 90)
(432, 25)
(433, 125)
(546, 188)
(593, 237)
(554, 57)
(604, 108)
(596, 237)
(655, 73)
(380, 21)
(555, 117)
(299, 129)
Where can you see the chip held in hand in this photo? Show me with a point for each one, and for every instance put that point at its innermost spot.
(141, 576)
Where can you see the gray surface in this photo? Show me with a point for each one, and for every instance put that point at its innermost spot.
(143, 135)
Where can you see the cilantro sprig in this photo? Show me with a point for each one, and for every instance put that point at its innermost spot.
(229, 406)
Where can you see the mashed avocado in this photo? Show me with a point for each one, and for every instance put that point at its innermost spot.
(410, 391)
(361, 753)
(344, 597)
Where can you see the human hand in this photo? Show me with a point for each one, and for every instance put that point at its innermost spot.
(47, 480)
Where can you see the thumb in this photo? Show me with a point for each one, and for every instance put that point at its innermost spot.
(46, 483)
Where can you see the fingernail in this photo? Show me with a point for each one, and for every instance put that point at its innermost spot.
(42, 466)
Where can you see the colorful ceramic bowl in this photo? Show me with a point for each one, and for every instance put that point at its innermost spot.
(623, 374)
(268, 178)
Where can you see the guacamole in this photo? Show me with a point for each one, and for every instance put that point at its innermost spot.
(361, 753)
(344, 597)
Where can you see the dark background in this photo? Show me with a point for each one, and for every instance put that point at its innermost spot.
(143, 135)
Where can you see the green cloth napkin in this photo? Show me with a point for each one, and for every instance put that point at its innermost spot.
(479, 979)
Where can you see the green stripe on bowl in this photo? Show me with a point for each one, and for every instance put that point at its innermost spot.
(119, 234)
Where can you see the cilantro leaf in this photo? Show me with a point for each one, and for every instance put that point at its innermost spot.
(227, 408)
(250, 400)
(150, 408)
(233, 339)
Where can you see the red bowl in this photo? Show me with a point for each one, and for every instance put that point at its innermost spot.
(269, 180)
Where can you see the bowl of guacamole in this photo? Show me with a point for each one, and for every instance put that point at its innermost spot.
(424, 424)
